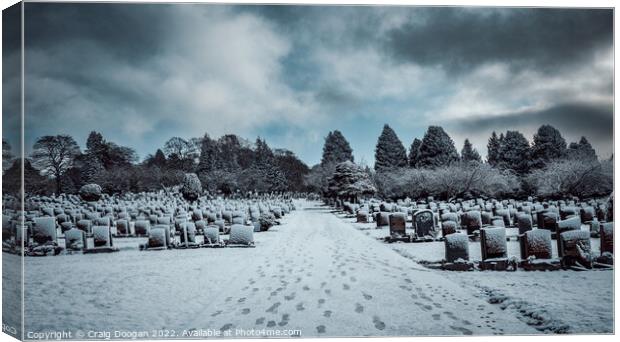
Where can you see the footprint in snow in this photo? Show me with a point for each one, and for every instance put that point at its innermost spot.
(367, 296)
(260, 321)
(327, 313)
(379, 324)
(320, 329)
(359, 308)
(245, 311)
(300, 307)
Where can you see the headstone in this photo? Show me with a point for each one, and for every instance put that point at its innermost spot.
(212, 235)
(524, 222)
(587, 214)
(122, 227)
(157, 238)
(102, 236)
(607, 237)
(575, 248)
(382, 218)
(142, 227)
(65, 226)
(493, 243)
(457, 247)
(448, 227)
(536, 243)
(241, 235)
(471, 221)
(44, 230)
(397, 224)
(424, 223)
(75, 239)
(188, 233)
(362, 216)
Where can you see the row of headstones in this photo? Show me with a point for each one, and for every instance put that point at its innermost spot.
(43, 232)
(574, 247)
(68, 219)
(472, 220)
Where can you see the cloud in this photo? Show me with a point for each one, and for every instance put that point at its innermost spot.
(459, 39)
(141, 73)
(213, 70)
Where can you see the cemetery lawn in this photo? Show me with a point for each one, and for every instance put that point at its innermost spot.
(315, 275)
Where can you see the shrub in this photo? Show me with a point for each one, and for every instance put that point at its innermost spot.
(90, 192)
(191, 188)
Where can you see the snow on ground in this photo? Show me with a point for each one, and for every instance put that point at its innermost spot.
(552, 302)
(314, 275)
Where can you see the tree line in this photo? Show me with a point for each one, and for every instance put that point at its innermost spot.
(226, 165)
(547, 167)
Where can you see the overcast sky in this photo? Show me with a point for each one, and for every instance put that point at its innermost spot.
(141, 73)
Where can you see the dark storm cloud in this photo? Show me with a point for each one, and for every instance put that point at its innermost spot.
(576, 119)
(459, 39)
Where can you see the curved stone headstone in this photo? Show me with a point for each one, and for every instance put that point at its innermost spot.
(102, 236)
(241, 235)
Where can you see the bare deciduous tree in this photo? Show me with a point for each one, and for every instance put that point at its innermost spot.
(54, 155)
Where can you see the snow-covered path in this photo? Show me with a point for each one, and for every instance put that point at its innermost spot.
(315, 273)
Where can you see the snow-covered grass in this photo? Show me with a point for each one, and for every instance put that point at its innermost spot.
(552, 302)
(314, 275)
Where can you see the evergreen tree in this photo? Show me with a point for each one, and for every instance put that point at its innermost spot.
(493, 149)
(414, 152)
(437, 149)
(390, 152)
(336, 149)
(349, 181)
(582, 150)
(208, 155)
(548, 145)
(159, 159)
(514, 153)
(469, 153)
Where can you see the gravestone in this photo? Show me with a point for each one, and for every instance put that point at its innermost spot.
(447, 228)
(75, 239)
(362, 216)
(383, 219)
(122, 227)
(536, 243)
(157, 238)
(493, 243)
(524, 222)
(65, 226)
(607, 237)
(471, 221)
(575, 249)
(424, 223)
(486, 217)
(457, 247)
(449, 216)
(397, 223)
(44, 230)
(102, 236)
(505, 215)
(587, 214)
(241, 235)
(212, 235)
(142, 227)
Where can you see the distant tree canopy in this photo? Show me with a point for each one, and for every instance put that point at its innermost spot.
(390, 152)
(437, 149)
(581, 150)
(230, 164)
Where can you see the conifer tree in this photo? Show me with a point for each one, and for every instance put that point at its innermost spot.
(390, 152)
(437, 149)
